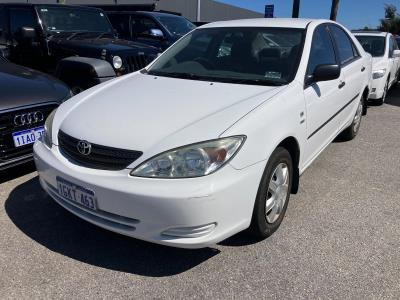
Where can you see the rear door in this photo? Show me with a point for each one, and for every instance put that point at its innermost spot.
(322, 98)
(353, 72)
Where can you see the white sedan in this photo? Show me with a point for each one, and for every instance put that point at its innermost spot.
(385, 62)
(212, 137)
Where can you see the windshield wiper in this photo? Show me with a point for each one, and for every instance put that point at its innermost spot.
(260, 82)
(176, 75)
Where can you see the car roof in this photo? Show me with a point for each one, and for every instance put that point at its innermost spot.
(53, 5)
(267, 22)
(370, 33)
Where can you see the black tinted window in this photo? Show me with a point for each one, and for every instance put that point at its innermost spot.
(375, 45)
(322, 51)
(71, 19)
(120, 22)
(2, 24)
(142, 26)
(343, 43)
(21, 17)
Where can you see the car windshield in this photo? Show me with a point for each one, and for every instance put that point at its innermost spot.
(375, 45)
(176, 25)
(262, 56)
(73, 19)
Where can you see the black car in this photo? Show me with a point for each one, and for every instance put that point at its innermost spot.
(157, 29)
(76, 43)
(27, 97)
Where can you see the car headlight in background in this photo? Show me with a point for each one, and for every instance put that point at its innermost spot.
(378, 73)
(191, 161)
(48, 129)
(117, 62)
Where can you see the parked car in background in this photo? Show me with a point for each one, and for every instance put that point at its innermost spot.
(26, 99)
(157, 29)
(386, 62)
(75, 43)
(397, 38)
(219, 131)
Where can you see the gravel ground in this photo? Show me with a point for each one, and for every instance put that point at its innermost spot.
(340, 238)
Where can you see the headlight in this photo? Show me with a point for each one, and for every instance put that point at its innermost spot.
(48, 129)
(378, 73)
(191, 161)
(117, 62)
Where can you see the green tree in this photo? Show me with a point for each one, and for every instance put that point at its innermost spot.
(391, 22)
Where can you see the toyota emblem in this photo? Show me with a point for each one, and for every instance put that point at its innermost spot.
(84, 147)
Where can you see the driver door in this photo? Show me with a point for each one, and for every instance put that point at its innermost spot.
(322, 98)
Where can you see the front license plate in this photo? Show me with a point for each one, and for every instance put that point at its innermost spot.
(75, 193)
(26, 137)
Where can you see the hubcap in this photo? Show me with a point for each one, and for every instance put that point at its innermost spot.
(357, 117)
(277, 193)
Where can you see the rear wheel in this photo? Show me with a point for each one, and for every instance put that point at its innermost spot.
(273, 194)
(351, 132)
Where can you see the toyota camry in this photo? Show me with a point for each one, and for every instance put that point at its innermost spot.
(212, 137)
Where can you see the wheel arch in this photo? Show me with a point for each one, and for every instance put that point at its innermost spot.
(292, 146)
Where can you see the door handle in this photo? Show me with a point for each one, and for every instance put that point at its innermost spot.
(362, 69)
(341, 84)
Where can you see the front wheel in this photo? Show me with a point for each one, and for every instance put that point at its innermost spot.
(273, 194)
(385, 91)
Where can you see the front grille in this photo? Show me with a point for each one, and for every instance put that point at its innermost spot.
(8, 151)
(100, 157)
(137, 62)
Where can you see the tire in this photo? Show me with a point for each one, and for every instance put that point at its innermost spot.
(385, 91)
(265, 221)
(351, 132)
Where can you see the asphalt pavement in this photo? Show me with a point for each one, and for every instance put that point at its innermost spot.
(340, 238)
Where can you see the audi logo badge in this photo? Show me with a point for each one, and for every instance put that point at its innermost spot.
(28, 118)
(84, 147)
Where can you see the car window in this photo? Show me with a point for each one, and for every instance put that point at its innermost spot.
(391, 47)
(2, 25)
(141, 26)
(375, 45)
(262, 56)
(62, 18)
(21, 17)
(322, 51)
(396, 46)
(343, 43)
(120, 22)
(176, 25)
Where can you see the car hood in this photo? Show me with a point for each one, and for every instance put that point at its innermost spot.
(110, 44)
(151, 114)
(22, 86)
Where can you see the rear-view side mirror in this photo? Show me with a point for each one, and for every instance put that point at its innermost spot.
(324, 73)
(396, 53)
(156, 33)
(28, 33)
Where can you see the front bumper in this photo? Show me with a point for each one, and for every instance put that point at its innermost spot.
(187, 213)
(377, 88)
